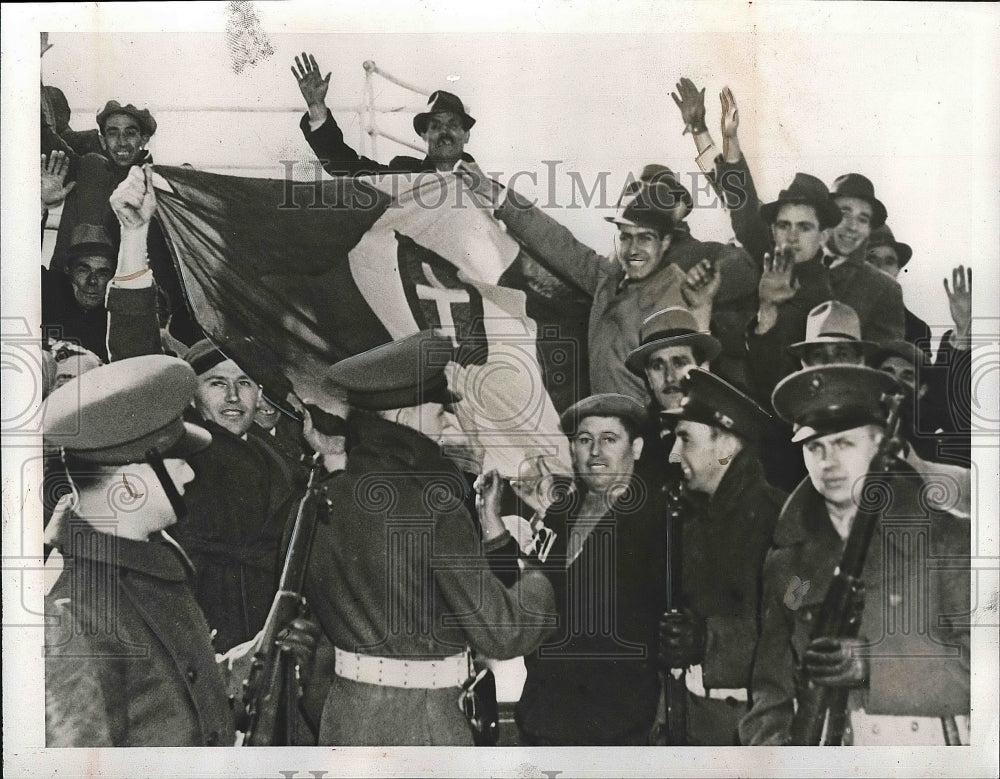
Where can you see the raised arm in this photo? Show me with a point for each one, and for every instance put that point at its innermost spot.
(320, 130)
(133, 328)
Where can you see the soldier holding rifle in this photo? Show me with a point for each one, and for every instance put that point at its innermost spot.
(900, 675)
(727, 518)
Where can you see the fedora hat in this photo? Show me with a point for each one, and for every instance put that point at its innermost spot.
(828, 399)
(442, 101)
(673, 326)
(656, 200)
(832, 322)
(714, 401)
(147, 124)
(609, 404)
(882, 236)
(399, 374)
(116, 414)
(856, 185)
(805, 190)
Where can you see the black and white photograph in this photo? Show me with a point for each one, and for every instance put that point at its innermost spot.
(416, 388)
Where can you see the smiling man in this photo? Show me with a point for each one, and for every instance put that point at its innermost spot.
(658, 264)
(443, 127)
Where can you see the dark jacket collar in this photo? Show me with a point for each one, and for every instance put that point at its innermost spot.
(744, 474)
(160, 557)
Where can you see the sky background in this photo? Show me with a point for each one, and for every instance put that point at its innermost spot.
(905, 95)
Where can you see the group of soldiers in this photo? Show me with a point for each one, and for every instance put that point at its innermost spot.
(669, 592)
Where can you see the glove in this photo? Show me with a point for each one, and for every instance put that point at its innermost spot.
(837, 662)
(299, 639)
(682, 639)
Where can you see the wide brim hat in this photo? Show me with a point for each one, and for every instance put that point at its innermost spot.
(713, 401)
(609, 404)
(861, 187)
(657, 200)
(147, 124)
(673, 326)
(882, 236)
(828, 399)
(115, 414)
(399, 374)
(832, 322)
(808, 191)
(442, 101)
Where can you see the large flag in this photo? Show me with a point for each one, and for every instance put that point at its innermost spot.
(288, 277)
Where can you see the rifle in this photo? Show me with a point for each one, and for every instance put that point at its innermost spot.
(673, 683)
(272, 691)
(840, 613)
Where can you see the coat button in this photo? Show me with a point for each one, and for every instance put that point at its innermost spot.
(212, 739)
(192, 674)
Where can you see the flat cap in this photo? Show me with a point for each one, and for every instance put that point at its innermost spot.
(714, 401)
(610, 404)
(399, 374)
(827, 399)
(147, 124)
(673, 326)
(203, 356)
(114, 414)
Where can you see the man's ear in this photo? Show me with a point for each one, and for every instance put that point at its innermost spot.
(100, 137)
(145, 140)
(637, 445)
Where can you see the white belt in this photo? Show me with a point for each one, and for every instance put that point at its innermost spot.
(398, 672)
(900, 730)
(695, 685)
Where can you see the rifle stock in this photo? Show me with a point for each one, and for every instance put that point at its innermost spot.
(272, 690)
(840, 613)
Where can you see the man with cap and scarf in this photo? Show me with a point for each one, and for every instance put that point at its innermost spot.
(399, 578)
(906, 674)
(128, 659)
(444, 127)
(594, 681)
(241, 496)
(727, 517)
(658, 264)
(805, 258)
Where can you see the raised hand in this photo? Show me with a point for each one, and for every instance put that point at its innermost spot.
(488, 489)
(960, 299)
(692, 106)
(730, 113)
(776, 283)
(134, 200)
(54, 170)
(312, 85)
(701, 284)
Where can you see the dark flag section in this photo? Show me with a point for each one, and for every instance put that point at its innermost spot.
(288, 277)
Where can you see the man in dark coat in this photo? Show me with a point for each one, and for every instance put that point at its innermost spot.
(727, 518)
(73, 301)
(891, 256)
(594, 681)
(241, 496)
(906, 675)
(444, 127)
(399, 577)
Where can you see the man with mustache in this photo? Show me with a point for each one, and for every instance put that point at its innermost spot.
(444, 127)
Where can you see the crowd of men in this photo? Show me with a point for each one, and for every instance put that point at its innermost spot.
(744, 399)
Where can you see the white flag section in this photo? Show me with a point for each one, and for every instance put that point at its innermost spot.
(433, 259)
